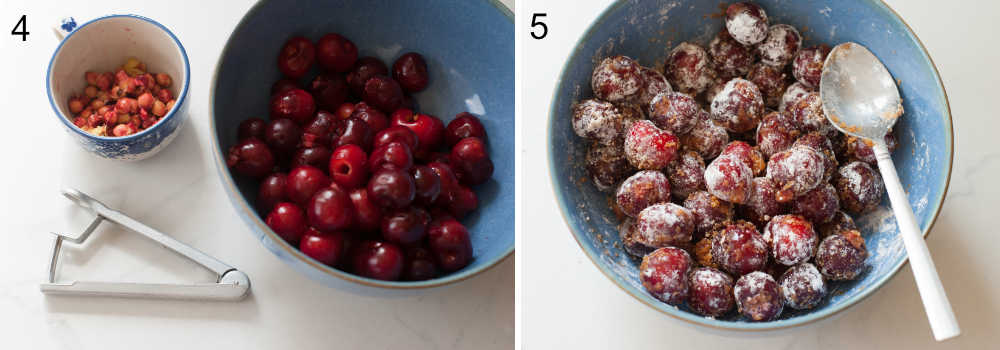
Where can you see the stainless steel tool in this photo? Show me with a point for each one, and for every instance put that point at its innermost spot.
(232, 284)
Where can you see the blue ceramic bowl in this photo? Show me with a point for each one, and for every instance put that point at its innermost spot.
(469, 48)
(647, 30)
(102, 45)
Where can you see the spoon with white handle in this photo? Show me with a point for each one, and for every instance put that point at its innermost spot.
(861, 99)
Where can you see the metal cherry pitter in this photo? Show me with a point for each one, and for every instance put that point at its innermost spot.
(231, 285)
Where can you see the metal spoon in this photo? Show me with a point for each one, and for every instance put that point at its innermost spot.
(861, 99)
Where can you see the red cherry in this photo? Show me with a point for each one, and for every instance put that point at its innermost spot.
(410, 70)
(368, 215)
(282, 135)
(251, 157)
(329, 89)
(374, 117)
(464, 125)
(419, 264)
(396, 133)
(383, 93)
(391, 188)
(462, 201)
(449, 182)
(395, 154)
(428, 184)
(325, 248)
(288, 221)
(336, 53)
(271, 192)
(449, 241)
(252, 127)
(378, 260)
(364, 69)
(317, 156)
(345, 110)
(330, 209)
(405, 226)
(429, 129)
(296, 57)
(354, 131)
(303, 181)
(472, 162)
(347, 166)
(317, 132)
(294, 104)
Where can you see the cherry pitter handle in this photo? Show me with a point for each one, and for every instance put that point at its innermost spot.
(230, 285)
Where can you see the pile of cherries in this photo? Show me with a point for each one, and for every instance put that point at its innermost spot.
(768, 219)
(353, 176)
(122, 103)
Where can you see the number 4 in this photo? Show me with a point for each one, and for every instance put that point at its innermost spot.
(23, 24)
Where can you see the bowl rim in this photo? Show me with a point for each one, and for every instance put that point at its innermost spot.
(745, 326)
(279, 243)
(170, 115)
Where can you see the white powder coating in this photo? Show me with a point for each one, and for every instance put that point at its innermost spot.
(792, 95)
(643, 181)
(752, 283)
(665, 277)
(653, 84)
(707, 138)
(690, 80)
(853, 175)
(801, 167)
(619, 72)
(787, 247)
(709, 277)
(776, 50)
(747, 29)
(716, 280)
(597, 120)
(729, 109)
(802, 278)
(729, 179)
(649, 147)
(664, 224)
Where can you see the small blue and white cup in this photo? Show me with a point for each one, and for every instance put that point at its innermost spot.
(102, 45)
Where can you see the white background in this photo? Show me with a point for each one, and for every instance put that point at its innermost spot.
(568, 303)
(178, 192)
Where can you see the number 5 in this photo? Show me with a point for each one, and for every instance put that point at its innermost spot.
(535, 23)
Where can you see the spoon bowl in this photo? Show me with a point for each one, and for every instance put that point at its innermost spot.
(859, 95)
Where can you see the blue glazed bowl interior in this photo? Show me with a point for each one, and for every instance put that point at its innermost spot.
(469, 49)
(647, 30)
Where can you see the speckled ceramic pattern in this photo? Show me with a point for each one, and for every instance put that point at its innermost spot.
(469, 48)
(647, 30)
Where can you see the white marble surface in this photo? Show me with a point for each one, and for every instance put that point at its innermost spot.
(568, 303)
(178, 192)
